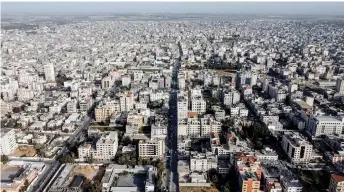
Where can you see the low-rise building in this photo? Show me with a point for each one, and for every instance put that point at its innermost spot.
(13, 177)
(336, 183)
(152, 148)
(105, 147)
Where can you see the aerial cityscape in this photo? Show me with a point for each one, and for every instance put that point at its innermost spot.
(161, 101)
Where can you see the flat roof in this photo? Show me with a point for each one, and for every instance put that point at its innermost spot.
(127, 181)
(8, 173)
(4, 131)
(327, 118)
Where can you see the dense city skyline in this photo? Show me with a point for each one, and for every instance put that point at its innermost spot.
(314, 8)
(183, 102)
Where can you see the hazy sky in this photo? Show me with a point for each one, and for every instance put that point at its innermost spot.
(176, 7)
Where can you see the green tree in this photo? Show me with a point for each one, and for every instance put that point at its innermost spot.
(4, 159)
(25, 186)
(95, 187)
(41, 153)
(90, 159)
(67, 159)
(226, 188)
(139, 161)
(213, 176)
(126, 140)
(38, 146)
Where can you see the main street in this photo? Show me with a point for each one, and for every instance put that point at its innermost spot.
(46, 176)
(172, 133)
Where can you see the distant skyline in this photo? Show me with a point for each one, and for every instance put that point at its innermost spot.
(303, 8)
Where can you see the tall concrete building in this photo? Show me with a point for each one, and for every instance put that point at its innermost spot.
(105, 148)
(182, 107)
(126, 101)
(8, 141)
(340, 86)
(152, 148)
(297, 148)
(107, 82)
(246, 78)
(325, 125)
(198, 105)
(49, 73)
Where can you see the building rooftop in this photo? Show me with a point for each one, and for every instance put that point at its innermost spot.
(296, 139)
(4, 131)
(327, 118)
(338, 177)
(245, 175)
(8, 173)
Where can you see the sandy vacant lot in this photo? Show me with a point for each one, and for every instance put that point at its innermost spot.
(88, 171)
(26, 151)
(198, 189)
(225, 73)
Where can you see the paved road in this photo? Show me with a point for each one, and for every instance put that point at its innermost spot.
(46, 176)
(172, 133)
(44, 179)
(49, 133)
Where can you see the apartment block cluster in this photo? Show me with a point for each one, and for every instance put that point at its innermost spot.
(92, 83)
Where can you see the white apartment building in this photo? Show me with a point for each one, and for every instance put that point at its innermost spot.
(209, 125)
(181, 82)
(196, 127)
(182, 107)
(49, 73)
(126, 101)
(72, 106)
(126, 80)
(152, 148)
(325, 125)
(290, 184)
(227, 98)
(297, 148)
(336, 183)
(198, 105)
(230, 97)
(104, 110)
(158, 130)
(269, 119)
(107, 82)
(158, 95)
(202, 163)
(141, 105)
(182, 127)
(246, 78)
(193, 127)
(235, 111)
(340, 86)
(138, 75)
(220, 114)
(243, 112)
(85, 103)
(168, 81)
(25, 94)
(8, 141)
(153, 84)
(105, 149)
(196, 92)
(277, 93)
(5, 107)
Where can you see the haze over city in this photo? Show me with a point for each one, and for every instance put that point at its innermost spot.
(172, 97)
(316, 8)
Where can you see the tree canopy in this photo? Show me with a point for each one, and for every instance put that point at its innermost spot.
(4, 159)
